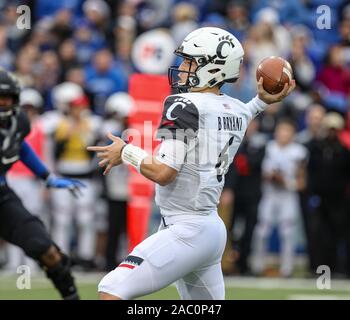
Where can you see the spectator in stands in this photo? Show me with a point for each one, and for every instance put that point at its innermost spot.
(259, 44)
(314, 131)
(238, 18)
(97, 15)
(304, 70)
(62, 25)
(328, 178)
(76, 75)
(87, 42)
(292, 12)
(41, 35)
(271, 17)
(67, 57)
(334, 76)
(6, 56)
(15, 36)
(124, 36)
(184, 16)
(314, 119)
(48, 73)
(45, 8)
(103, 79)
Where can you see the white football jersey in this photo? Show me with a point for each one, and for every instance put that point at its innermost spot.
(284, 160)
(210, 128)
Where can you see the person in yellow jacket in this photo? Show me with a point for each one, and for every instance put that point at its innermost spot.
(73, 133)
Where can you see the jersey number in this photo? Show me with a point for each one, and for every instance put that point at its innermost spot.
(223, 161)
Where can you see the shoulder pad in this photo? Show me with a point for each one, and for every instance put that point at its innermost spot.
(179, 113)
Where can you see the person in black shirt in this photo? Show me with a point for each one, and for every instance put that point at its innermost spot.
(328, 178)
(17, 225)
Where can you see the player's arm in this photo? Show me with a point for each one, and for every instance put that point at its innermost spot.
(263, 98)
(301, 176)
(179, 123)
(34, 164)
(158, 172)
(163, 167)
(149, 166)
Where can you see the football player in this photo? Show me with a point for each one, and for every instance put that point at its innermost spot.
(201, 130)
(17, 225)
(283, 172)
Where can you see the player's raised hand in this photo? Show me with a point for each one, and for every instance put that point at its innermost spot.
(110, 155)
(272, 98)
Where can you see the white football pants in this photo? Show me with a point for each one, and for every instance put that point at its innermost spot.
(187, 249)
(281, 208)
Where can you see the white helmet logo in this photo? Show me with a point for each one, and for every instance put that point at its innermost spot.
(171, 109)
(226, 40)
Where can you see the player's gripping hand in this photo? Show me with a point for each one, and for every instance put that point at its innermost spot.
(74, 186)
(278, 180)
(272, 98)
(110, 155)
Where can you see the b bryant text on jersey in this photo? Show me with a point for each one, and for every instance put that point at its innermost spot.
(230, 123)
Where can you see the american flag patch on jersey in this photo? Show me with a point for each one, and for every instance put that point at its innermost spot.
(131, 262)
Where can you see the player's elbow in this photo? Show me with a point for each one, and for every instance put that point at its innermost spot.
(166, 177)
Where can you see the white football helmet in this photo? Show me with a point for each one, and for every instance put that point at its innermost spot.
(31, 97)
(119, 103)
(218, 55)
(65, 93)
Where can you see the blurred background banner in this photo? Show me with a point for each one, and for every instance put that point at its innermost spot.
(153, 51)
(148, 92)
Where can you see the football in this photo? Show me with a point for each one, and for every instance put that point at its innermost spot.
(275, 71)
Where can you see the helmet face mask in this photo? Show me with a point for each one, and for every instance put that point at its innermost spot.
(9, 90)
(218, 55)
(7, 110)
(191, 79)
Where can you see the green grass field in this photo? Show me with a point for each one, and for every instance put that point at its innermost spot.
(236, 289)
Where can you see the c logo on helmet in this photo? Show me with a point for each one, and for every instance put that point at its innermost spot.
(224, 40)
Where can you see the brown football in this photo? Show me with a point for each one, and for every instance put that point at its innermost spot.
(276, 71)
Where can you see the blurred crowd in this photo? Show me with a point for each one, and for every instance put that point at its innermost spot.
(290, 174)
